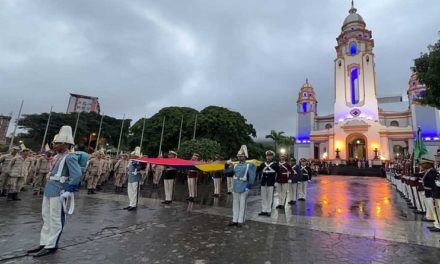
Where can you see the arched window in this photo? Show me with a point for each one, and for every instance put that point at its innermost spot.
(353, 48)
(304, 107)
(328, 126)
(394, 123)
(354, 85)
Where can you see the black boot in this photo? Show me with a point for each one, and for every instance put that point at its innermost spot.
(10, 197)
(3, 193)
(15, 197)
(35, 250)
(93, 191)
(44, 252)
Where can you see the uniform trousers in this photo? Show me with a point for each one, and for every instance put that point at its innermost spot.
(436, 212)
(132, 190)
(192, 187)
(417, 201)
(239, 206)
(3, 181)
(119, 179)
(96, 180)
(53, 222)
(410, 194)
(168, 185)
(266, 199)
(38, 182)
(302, 190)
(217, 182)
(430, 213)
(422, 200)
(229, 184)
(156, 177)
(90, 180)
(282, 193)
(13, 184)
(293, 187)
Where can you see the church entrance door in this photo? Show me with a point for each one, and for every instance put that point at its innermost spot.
(357, 148)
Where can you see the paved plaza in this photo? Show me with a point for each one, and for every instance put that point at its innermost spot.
(344, 220)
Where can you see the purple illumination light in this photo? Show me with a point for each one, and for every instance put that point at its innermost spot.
(354, 85)
(304, 106)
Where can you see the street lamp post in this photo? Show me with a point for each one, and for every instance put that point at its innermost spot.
(90, 138)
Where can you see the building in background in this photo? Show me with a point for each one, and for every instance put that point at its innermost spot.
(83, 103)
(4, 125)
(361, 128)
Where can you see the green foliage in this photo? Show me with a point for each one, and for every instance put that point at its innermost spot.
(427, 67)
(281, 141)
(228, 127)
(35, 125)
(257, 151)
(207, 149)
(153, 129)
(214, 123)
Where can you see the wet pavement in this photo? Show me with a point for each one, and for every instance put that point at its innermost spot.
(344, 220)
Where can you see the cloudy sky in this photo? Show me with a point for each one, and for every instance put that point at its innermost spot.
(249, 56)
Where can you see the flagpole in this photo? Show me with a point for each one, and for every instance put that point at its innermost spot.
(16, 124)
(47, 128)
(99, 133)
(120, 135)
(76, 125)
(180, 133)
(161, 136)
(142, 134)
(195, 128)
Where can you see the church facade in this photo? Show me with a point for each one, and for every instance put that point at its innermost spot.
(359, 128)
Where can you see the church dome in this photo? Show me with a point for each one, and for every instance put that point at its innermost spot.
(353, 20)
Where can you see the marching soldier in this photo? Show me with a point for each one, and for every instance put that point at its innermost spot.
(169, 177)
(93, 172)
(42, 168)
(192, 180)
(4, 161)
(135, 170)
(157, 174)
(65, 176)
(429, 177)
(244, 177)
(302, 184)
(269, 171)
(120, 172)
(17, 172)
(229, 172)
(283, 179)
(293, 185)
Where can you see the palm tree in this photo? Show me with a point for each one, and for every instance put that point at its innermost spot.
(276, 137)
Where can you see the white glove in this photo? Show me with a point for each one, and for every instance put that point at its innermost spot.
(66, 195)
(289, 181)
(437, 183)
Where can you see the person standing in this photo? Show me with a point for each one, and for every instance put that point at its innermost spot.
(134, 171)
(293, 185)
(169, 177)
(229, 172)
(192, 180)
(283, 179)
(120, 172)
(65, 176)
(18, 169)
(302, 184)
(429, 177)
(4, 163)
(244, 177)
(42, 168)
(93, 172)
(269, 171)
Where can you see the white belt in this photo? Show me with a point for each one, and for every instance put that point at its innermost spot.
(61, 179)
(413, 178)
(239, 178)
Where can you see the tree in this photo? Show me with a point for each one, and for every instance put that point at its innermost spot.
(153, 128)
(228, 127)
(207, 149)
(35, 125)
(427, 67)
(281, 141)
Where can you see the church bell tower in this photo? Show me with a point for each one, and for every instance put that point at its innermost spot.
(355, 77)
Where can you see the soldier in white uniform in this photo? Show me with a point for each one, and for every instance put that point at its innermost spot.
(65, 176)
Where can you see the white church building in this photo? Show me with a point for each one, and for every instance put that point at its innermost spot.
(359, 128)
